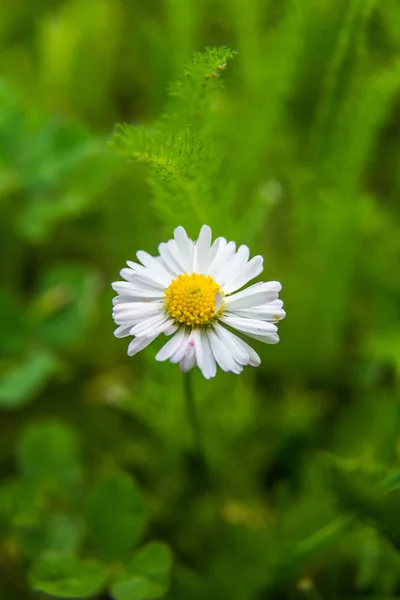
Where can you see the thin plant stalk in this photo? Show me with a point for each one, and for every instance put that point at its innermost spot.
(195, 423)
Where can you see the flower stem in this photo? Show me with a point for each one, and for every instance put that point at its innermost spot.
(195, 423)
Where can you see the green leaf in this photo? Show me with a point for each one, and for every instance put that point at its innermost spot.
(185, 164)
(116, 515)
(10, 491)
(191, 92)
(49, 533)
(362, 493)
(152, 558)
(48, 456)
(66, 576)
(66, 303)
(21, 383)
(137, 588)
(12, 323)
(11, 122)
(147, 575)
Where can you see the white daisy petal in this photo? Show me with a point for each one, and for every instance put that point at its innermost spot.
(231, 248)
(267, 312)
(202, 250)
(187, 363)
(139, 343)
(218, 302)
(189, 358)
(171, 346)
(234, 265)
(146, 326)
(255, 295)
(136, 312)
(132, 299)
(187, 292)
(147, 280)
(213, 252)
(180, 352)
(176, 255)
(138, 308)
(204, 357)
(135, 267)
(172, 328)
(223, 252)
(141, 287)
(122, 331)
(219, 251)
(209, 368)
(145, 276)
(268, 338)
(185, 247)
(129, 289)
(130, 319)
(238, 368)
(128, 274)
(254, 326)
(229, 339)
(198, 346)
(222, 355)
(253, 268)
(169, 261)
(155, 269)
(253, 359)
(131, 275)
(141, 277)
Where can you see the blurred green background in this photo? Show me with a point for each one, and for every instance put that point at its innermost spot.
(290, 145)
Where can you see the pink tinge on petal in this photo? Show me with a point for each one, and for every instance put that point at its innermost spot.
(139, 309)
(189, 359)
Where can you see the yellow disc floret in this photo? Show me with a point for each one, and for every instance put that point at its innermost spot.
(193, 299)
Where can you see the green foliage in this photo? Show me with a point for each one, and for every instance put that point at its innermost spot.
(147, 575)
(184, 161)
(21, 382)
(48, 454)
(62, 539)
(63, 306)
(277, 124)
(116, 515)
(66, 576)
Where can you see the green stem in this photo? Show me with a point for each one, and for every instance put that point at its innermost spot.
(195, 422)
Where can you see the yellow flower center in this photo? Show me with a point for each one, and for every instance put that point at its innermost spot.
(193, 299)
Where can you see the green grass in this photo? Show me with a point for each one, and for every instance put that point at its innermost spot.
(277, 124)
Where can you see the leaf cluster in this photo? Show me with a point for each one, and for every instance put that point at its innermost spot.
(291, 149)
(181, 152)
(78, 548)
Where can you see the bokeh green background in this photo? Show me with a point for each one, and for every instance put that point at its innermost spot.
(292, 149)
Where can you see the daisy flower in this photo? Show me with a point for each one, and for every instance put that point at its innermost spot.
(193, 292)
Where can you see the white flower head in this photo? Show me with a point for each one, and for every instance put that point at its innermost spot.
(190, 292)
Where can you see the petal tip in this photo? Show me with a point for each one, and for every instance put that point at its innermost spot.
(180, 231)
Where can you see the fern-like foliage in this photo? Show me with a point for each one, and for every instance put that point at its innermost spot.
(179, 148)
